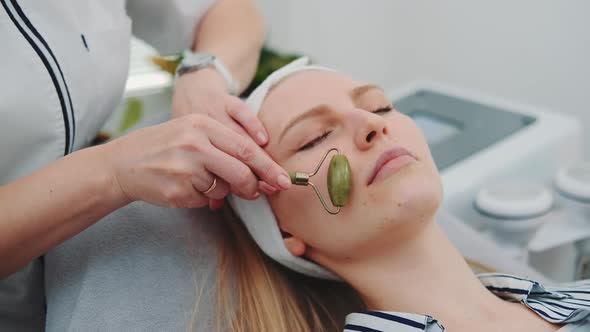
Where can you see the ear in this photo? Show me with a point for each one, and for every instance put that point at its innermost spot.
(295, 245)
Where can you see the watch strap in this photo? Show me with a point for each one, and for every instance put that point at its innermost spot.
(191, 63)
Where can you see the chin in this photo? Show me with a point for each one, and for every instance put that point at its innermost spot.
(391, 212)
(408, 196)
(398, 217)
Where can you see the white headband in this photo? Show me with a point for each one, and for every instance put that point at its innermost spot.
(257, 214)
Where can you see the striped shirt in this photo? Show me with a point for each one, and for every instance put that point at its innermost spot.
(564, 304)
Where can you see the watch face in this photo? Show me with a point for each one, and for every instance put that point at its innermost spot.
(200, 59)
(195, 61)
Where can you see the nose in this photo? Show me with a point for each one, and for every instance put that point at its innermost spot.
(372, 128)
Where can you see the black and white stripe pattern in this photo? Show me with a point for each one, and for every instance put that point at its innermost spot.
(42, 49)
(563, 304)
(377, 321)
(557, 304)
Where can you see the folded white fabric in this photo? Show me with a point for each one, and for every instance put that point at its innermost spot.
(257, 215)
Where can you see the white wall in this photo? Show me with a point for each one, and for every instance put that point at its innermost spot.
(531, 51)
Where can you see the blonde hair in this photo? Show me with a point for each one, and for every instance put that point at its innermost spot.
(254, 293)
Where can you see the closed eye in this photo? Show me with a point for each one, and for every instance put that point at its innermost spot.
(315, 141)
(322, 137)
(383, 109)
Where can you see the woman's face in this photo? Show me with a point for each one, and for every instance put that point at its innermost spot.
(310, 112)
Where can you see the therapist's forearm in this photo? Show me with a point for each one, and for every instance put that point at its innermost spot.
(53, 204)
(233, 30)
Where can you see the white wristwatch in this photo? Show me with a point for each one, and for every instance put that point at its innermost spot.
(194, 61)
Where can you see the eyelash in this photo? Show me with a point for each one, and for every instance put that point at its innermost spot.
(383, 109)
(315, 141)
(323, 136)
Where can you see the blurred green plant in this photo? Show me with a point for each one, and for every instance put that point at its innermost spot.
(269, 62)
(132, 114)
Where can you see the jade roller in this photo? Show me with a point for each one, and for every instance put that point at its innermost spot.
(339, 180)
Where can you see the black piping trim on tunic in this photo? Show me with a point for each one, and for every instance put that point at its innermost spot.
(69, 131)
(38, 35)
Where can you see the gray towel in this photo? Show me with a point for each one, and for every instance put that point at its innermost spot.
(22, 302)
(142, 268)
(146, 268)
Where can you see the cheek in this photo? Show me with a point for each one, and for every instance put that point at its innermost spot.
(300, 205)
(412, 195)
(423, 180)
(301, 214)
(410, 136)
(297, 211)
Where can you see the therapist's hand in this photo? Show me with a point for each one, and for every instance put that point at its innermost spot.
(205, 92)
(173, 163)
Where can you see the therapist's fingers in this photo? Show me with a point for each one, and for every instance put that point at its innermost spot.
(207, 183)
(235, 173)
(239, 111)
(174, 163)
(225, 119)
(217, 189)
(252, 155)
(215, 204)
(266, 188)
(188, 197)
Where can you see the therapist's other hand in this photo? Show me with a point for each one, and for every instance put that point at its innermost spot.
(205, 92)
(173, 163)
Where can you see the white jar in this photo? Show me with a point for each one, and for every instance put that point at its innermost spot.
(573, 185)
(512, 212)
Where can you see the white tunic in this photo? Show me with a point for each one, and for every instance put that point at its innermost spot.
(63, 67)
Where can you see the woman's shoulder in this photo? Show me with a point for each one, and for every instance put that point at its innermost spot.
(565, 303)
(576, 327)
(556, 303)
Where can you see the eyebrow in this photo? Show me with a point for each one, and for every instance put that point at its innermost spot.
(315, 111)
(355, 94)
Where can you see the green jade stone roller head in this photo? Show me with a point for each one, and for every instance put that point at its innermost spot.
(339, 180)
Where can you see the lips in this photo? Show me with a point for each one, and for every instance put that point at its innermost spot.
(390, 156)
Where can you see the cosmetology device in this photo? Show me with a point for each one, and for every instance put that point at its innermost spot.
(478, 140)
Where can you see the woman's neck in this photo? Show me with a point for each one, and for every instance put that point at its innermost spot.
(426, 275)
